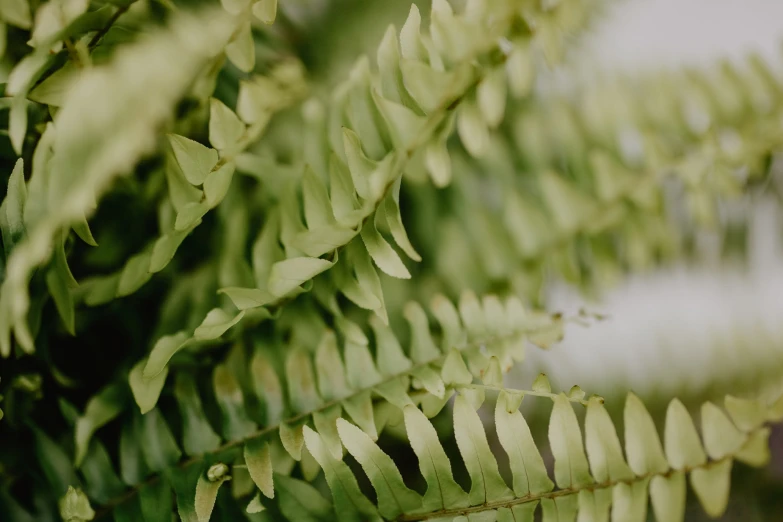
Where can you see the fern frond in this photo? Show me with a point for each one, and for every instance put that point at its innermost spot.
(478, 339)
(88, 152)
(593, 478)
(379, 125)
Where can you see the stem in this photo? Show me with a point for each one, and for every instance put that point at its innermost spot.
(107, 508)
(447, 513)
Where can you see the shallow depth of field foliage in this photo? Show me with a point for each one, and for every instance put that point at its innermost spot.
(272, 260)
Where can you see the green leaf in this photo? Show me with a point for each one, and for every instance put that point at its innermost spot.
(359, 408)
(491, 97)
(225, 127)
(391, 210)
(360, 369)
(12, 209)
(382, 253)
(259, 465)
(329, 368)
(394, 497)
(288, 274)
(404, 124)
(349, 502)
(755, 452)
(642, 445)
(390, 359)
(325, 422)
(156, 501)
(133, 466)
(746, 414)
(711, 485)
(236, 423)
(559, 509)
(164, 249)
(565, 438)
(195, 160)
(603, 446)
(423, 348)
(302, 391)
(216, 323)
(493, 374)
(486, 482)
(683, 447)
(75, 507)
(473, 132)
(292, 437)
(246, 298)
(134, 274)
(198, 437)
(302, 502)
(57, 467)
(162, 352)
(157, 442)
(527, 467)
(267, 387)
(206, 494)
(430, 380)
(100, 410)
(667, 495)
(265, 10)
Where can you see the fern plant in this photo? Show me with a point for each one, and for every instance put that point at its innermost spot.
(233, 240)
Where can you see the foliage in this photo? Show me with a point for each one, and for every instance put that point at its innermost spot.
(211, 358)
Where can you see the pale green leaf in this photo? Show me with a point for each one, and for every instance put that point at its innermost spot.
(330, 369)
(241, 50)
(162, 352)
(259, 465)
(302, 391)
(360, 369)
(382, 253)
(265, 10)
(721, 437)
(541, 384)
(603, 446)
(683, 447)
(225, 127)
(100, 409)
(454, 370)
(390, 359)
(206, 494)
(236, 422)
(442, 490)
(565, 438)
(755, 452)
(629, 501)
(349, 502)
(527, 466)
(216, 323)
(246, 298)
(391, 211)
(360, 408)
(486, 482)
(195, 160)
(288, 274)
(473, 131)
(146, 390)
(667, 495)
(292, 437)
(217, 183)
(642, 445)
(430, 380)
(423, 348)
(711, 485)
(325, 424)
(747, 414)
(394, 497)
